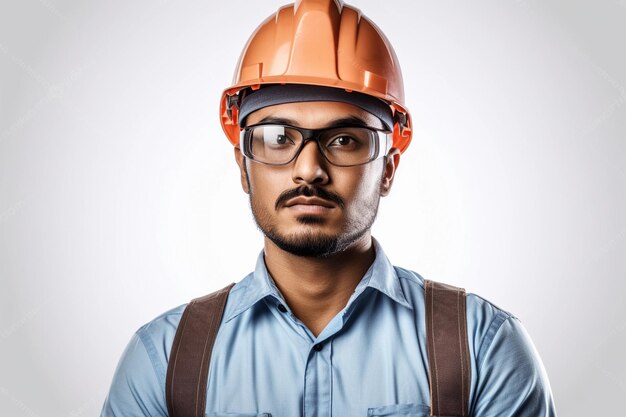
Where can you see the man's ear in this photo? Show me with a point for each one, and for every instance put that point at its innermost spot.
(241, 162)
(392, 160)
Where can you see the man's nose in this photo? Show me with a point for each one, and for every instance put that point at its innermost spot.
(310, 166)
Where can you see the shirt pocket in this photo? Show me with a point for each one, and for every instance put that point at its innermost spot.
(399, 410)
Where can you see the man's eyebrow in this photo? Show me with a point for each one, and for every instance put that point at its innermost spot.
(344, 121)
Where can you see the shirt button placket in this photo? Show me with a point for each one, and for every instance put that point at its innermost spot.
(318, 381)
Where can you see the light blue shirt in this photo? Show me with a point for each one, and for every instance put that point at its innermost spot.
(370, 360)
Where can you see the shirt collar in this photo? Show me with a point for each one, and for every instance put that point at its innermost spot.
(383, 277)
(259, 285)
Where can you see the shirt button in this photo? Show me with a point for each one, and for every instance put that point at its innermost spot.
(282, 308)
(318, 347)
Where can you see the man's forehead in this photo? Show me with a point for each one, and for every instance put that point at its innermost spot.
(314, 114)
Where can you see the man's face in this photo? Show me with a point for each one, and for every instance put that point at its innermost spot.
(310, 207)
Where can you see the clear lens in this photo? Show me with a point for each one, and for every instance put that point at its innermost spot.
(343, 146)
(274, 144)
(348, 146)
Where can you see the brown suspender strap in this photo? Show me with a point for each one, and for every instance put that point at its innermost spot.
(188, 365)
(448, 350)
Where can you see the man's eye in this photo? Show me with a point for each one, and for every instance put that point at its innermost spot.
(281, 140)
(341, 141)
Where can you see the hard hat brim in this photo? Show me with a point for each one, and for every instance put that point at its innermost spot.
(298, 93)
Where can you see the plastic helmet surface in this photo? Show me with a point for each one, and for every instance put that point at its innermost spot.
(325, 43)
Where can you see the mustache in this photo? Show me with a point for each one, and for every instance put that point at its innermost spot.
(308, 191)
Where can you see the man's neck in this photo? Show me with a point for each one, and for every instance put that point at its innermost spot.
(316, 289)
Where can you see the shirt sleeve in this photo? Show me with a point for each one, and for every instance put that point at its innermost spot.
(512, 381)
(138, 388)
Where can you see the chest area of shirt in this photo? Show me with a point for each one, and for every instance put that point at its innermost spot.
(374, 363)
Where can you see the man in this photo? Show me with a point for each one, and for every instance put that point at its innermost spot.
(325, 325)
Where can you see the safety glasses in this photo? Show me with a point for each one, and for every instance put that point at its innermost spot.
(277, 144)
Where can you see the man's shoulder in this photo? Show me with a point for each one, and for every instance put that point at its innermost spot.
(484, 318)
(160, 331)
(158, 334)
(411, 282)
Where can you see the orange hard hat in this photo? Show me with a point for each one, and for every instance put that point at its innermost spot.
(319, 43)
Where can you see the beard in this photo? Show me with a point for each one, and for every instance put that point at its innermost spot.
(310, 241)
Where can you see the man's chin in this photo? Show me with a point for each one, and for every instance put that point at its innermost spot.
(312, 241)
(308, 244)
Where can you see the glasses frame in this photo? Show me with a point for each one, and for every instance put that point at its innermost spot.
(382, 145)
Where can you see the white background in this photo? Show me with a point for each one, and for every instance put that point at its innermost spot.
(119, 195)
